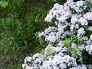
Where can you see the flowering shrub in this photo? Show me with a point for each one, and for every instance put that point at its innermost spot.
(53, 57)
(67, 39)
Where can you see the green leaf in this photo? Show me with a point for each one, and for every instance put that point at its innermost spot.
(49, 50)
(4, 4)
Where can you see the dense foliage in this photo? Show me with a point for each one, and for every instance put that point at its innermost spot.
(19, 22)
(69, 38)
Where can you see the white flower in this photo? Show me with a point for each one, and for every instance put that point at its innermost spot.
(24, 65)
(51, 38)
(28, 59)
(88, 42)
(50, 29)
(81, 31)
(37, 55)
(66, 58)
(74, 20)
(28, 67)
(90, 50)
(58, 49)
(56, 5)
(85, 38)
(83, 21)
(46, 63)
(72, 27)
(90, 28)
(77, 26)
(55, 67)
(68, 33)
(38, 60)
(79, 67)
(78, 10)
(69, 1)
(60, 44)
(62, 18)
(74, 45)
(61, 28)
(58, 34)
(42, 34)
(91, 36)
(63, 66)
(80, 3)
(49, 17)
(88, 15)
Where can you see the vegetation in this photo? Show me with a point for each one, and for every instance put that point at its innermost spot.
(19, 22)
(68, 38)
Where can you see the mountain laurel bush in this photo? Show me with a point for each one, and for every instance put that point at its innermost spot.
(70, 35)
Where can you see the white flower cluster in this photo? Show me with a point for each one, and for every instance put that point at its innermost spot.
(89, 49)
(52, 58)
(79, 67)
(72, 18)
(63, 14)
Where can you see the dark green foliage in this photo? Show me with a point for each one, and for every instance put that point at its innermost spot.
(87, 59)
